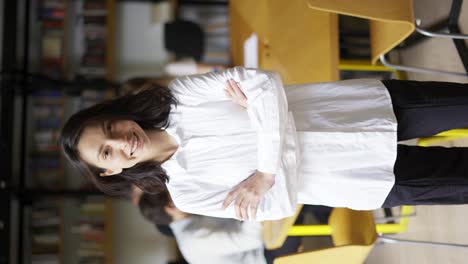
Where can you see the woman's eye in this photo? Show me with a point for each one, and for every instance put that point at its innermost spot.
(106, 154)
(109, 127)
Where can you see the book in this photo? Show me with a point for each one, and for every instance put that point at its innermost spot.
(52, 46)
(94, 20)
(92, 71)
(99, 5)
(93, 235)
(46, 136)
(52, 238)
(47, 123)
(51, 14)
(91, 260)
(94, 12)
(38, 248)
(45, 110)
(53, 24)
(45, 259)
(53, 221)
(93, 207)
(90, 253)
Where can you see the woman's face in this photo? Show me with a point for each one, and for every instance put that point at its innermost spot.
(113, 145)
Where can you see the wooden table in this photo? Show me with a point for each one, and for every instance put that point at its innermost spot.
(298, 42)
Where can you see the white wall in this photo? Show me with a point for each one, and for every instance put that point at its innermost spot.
(136, 240)
(139, 46)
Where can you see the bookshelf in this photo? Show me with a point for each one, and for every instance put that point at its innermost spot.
(64, 195)
(50, 205)
(96, 25)
(111, 23)
(76, 38)
(52, 20)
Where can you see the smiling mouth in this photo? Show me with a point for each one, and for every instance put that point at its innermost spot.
(134, 144)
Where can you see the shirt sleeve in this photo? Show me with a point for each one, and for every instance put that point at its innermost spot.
(181, 67)
(267, 105)
(197, 235)
(196, 197)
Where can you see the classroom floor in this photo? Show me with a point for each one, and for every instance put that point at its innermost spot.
(431, 223)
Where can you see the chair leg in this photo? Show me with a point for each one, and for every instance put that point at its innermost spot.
(438, 34)
(388, 240)
(421, 70)
(453, 27)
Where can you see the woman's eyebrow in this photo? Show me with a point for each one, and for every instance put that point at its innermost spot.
(103, 128)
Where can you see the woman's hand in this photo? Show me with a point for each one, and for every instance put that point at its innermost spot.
(234, 91)
(249, 193)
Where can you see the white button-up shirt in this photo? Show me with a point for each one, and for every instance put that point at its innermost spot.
(341, 153)
(205, 240)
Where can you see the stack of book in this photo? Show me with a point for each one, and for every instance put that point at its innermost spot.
(45, 162)
(91, 229)
(52, 16)
(91, 96)
(45, 232)
(93, 61)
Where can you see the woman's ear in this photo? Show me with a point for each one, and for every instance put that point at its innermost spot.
(175, 213)
(110, 172)
(172, 211)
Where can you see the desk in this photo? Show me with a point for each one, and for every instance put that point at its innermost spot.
(298, 42)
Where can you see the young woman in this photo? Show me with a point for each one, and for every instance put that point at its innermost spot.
(237, 144)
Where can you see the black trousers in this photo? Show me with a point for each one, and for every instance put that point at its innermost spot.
(428, 175)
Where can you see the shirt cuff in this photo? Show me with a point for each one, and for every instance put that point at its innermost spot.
(252, 88)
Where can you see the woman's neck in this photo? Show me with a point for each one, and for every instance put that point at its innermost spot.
(163, 146)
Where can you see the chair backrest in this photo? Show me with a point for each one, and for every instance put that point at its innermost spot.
(353, 234)
(391, 21)
(275, 232)
(350, 227)
(448, 135)
(353, 254)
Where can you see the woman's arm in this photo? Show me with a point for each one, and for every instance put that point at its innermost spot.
(198, 197)
(267, 110)
(267, 105)
(231, 237)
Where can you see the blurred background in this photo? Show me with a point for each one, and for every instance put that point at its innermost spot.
(59, 56)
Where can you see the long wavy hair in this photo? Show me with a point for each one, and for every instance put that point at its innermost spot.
(150, 109)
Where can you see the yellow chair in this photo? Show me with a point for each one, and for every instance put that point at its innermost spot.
(444, 136)
(362, 65)
(390, 22)
(354, 235)
(276, 232)
(383, 228)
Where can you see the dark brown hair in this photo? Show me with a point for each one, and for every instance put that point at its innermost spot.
(137, 84)
(150, 109)
(152, 207)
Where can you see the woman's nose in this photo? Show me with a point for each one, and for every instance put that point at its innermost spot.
(118, 142)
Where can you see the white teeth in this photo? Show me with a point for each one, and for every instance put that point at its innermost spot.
(135, 144)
